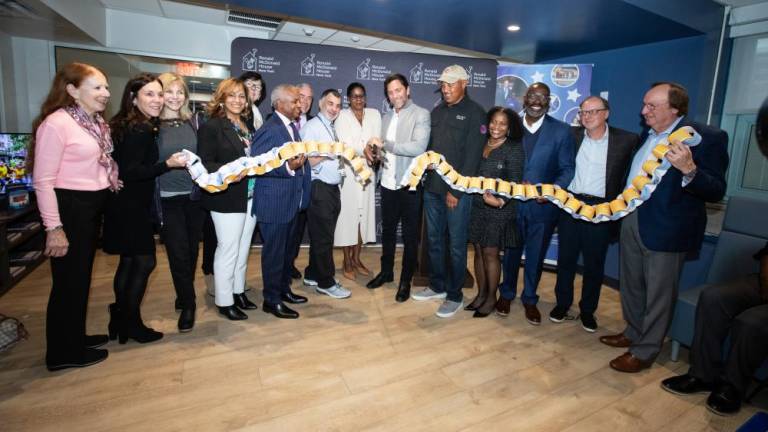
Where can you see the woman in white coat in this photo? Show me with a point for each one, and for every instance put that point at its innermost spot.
(356, 225)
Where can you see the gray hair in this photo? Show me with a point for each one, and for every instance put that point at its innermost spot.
(280, 92)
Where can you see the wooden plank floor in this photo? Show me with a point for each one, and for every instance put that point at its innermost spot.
(365, 363)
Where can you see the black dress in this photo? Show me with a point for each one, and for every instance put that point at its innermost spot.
(130, 216)
(497, 227)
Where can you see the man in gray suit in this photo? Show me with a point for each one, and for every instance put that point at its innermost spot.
(405, 130)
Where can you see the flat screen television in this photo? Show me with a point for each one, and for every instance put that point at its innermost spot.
(14, 148)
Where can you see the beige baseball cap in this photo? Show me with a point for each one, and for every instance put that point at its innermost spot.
(453, 73)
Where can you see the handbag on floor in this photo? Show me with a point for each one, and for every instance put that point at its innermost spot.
(11, 332)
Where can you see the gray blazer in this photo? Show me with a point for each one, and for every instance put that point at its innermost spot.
(411, 137)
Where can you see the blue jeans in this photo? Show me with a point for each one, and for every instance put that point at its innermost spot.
(536, 237)
(439, 219)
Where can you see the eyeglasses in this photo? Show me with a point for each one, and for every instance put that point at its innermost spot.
(652, 107)
(253, 85)
(585, 113)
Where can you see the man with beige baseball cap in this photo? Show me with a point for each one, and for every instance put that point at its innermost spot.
(453, 73)
(458, 133)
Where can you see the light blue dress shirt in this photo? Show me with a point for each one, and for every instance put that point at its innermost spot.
(320, 128)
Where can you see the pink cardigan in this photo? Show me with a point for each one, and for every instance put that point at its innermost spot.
(66, 157)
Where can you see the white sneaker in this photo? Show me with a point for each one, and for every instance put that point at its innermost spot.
(428, 294)
(310, 282)
(335, 291)
(449, 308)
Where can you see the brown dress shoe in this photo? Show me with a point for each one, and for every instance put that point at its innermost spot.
(532, 314)
(616, 341)
(629, 363)
(502, 306)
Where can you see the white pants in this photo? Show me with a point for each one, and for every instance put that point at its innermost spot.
(233, 232)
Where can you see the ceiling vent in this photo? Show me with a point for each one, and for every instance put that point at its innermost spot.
(252, 20)
(15, 9)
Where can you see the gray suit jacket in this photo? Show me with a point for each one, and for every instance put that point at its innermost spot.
(411, 136)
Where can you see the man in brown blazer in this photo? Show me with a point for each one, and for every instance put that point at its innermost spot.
(603, 156)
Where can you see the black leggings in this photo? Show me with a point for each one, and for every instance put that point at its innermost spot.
(130, 285)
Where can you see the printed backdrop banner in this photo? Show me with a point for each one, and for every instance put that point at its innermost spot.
(569, 85)
(324, 66)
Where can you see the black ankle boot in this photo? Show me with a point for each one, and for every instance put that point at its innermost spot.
(403, 292)
(186, 320)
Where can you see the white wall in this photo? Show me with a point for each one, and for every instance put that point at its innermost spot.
(26, 80)
(163, 36)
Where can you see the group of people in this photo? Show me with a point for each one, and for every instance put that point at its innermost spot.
(130, 172)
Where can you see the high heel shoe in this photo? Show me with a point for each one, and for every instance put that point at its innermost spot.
(114, 321)
(142, 334)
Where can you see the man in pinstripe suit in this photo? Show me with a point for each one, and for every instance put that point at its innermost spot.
(278, 196)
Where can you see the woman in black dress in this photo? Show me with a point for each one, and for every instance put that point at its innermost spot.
(493, 224)
(130, 217)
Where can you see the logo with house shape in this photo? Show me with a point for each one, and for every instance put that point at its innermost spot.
(469, 72)
(250, 61)
(417, 74)
(308, 66)
(364, 70)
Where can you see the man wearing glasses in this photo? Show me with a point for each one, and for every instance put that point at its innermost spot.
(549, 158)
(656, 237)
(603, 155)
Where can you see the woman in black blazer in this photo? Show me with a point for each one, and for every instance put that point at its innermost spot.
(129, 220)
(225, 137)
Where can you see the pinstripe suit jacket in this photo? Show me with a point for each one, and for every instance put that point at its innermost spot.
(278, 195)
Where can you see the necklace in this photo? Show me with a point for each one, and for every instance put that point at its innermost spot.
(493, 146)
(172, 122)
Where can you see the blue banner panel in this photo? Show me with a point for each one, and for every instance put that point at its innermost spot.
(326, 66)
(569, 85)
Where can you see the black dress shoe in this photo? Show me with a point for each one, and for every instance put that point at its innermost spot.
(177, 305)
(95, 341)
(279, 310)
(725, 400)
(186, 320)
(403, 292)
(293, 298)
(380, 280)
(295, 273)
(90, 357)
(242, 302)
(685, 385)
(232, 313)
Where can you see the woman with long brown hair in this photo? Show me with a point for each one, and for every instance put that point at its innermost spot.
(129, 221)
(73, 171)
(225, 137)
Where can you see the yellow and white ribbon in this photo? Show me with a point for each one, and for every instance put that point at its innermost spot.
(261, 164)
(630, 199)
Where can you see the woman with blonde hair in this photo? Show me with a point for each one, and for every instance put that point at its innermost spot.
(225, 137)
(73, 171)
(181, 216)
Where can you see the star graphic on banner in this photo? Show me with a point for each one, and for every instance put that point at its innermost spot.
(573, 95)
(537, 77)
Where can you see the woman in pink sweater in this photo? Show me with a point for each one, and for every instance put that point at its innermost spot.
(73, 171)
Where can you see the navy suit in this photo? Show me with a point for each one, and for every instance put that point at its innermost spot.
(674, 218)
(657, 236)
(277, 197)
(550, 160)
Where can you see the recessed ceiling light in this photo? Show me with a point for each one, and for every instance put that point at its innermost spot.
(355, 38)
(513, 28)
(308, 31)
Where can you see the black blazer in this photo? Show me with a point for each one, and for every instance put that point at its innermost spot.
(217, 145)
(621, 147)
